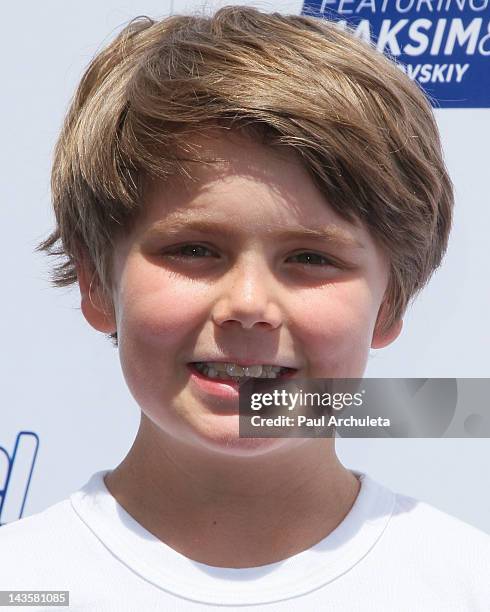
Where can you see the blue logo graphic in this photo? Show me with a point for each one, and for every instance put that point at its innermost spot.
(15, 475)
(444, 45)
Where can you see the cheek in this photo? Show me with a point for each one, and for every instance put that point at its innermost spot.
(159, 316)
(159, 310)
(336, 327)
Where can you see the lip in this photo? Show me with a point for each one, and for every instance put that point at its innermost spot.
(246, 362)
(222, 389)
(225, 390)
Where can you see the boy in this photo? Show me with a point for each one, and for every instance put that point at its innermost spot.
(236, 195)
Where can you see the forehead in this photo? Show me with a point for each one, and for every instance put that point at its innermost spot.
(235, 179)
(230, 164)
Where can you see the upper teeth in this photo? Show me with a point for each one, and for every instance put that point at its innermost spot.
(232, 369)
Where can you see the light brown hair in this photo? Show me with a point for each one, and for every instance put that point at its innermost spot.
(364, 131)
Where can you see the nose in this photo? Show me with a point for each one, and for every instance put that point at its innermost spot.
(248, 297)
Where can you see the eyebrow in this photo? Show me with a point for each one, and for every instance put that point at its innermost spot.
(332, 234)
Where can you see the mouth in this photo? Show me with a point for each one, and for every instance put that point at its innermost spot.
(224, 372)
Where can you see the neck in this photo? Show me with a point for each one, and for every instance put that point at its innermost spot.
(233, 511)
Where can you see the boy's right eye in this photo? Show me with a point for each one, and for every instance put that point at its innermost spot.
(188, 251)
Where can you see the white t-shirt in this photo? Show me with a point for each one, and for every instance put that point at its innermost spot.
(390, 552)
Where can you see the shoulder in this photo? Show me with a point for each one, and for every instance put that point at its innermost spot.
(437, 542)
(39, 528)
(44, 546)
(422, 520)
(424, 550)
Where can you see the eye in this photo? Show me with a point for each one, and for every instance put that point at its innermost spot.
(310, 258)
(188, 251)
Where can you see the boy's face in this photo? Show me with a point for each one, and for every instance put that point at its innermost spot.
(238, 292)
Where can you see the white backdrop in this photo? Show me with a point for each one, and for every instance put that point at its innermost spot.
(62, 380)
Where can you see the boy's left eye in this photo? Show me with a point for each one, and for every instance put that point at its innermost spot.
(312, 258)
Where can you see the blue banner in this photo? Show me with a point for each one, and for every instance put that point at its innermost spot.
(442, 44)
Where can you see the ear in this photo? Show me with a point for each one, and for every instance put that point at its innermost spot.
(95, 304)
(386, 337)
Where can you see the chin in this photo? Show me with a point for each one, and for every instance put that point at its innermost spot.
(223, 437)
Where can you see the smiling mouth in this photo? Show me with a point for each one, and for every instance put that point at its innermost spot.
(223, 372)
